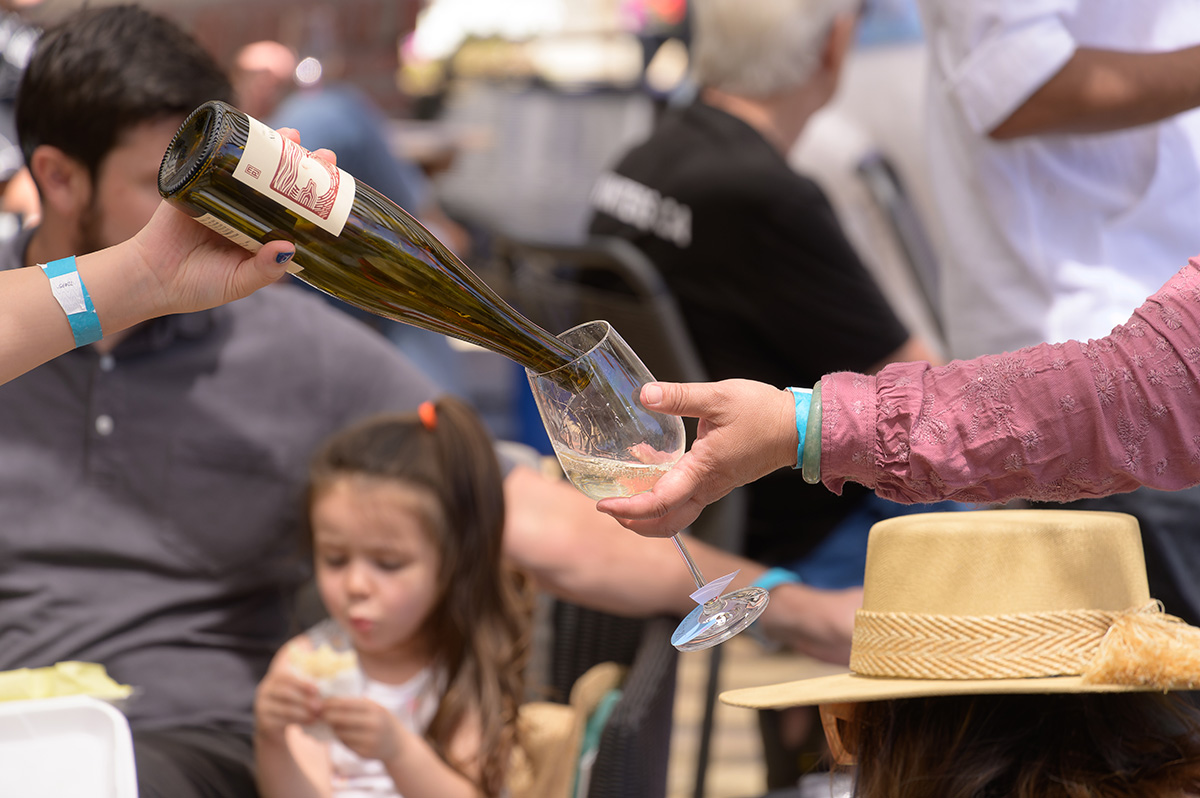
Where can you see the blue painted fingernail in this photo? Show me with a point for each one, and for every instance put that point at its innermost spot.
(284, 257)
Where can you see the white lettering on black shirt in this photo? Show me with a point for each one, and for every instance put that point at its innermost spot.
(642, 207)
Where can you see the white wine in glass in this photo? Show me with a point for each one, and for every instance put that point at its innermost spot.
(609, 444)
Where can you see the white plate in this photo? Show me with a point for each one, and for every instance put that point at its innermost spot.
(73, 746)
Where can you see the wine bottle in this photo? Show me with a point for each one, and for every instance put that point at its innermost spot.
(252, 185)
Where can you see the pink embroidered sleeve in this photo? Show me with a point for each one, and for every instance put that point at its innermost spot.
(1051, 423)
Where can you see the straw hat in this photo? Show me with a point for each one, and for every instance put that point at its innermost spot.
(1002, 601)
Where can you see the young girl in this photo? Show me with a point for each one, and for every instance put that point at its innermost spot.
(406, 514)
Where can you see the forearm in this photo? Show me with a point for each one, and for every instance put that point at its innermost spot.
(277, 772)
(555, 535)
(418, 772)
(123, 295)
(913, 349)
(651, 580)
(34, 328)
(1104, 90)
(1051, 422)
(813, 622)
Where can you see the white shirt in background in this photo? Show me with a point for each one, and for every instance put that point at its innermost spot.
(1051, 237)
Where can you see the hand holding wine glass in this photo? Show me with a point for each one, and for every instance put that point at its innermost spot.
(610, 444)
(746, 431)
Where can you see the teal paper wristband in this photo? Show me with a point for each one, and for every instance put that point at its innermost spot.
(803, 403)
(72, 296)
(774, 577)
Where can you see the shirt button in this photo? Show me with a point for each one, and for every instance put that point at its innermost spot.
(107, 362)
(104, 425)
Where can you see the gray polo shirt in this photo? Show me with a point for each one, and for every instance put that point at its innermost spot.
(150, 501)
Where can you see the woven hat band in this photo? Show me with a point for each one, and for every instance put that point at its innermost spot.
(1019, 645)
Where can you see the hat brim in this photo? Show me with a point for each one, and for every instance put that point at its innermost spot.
(851, 687)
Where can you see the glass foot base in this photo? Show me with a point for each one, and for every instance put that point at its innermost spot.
(719, 619)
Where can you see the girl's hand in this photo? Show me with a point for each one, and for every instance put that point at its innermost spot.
(195, 268)
(284, 698)
(363, 726)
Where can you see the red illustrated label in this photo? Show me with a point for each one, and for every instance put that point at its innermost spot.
(298, 184)
(283, 170)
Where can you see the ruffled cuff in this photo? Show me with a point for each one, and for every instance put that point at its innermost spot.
(848, 424)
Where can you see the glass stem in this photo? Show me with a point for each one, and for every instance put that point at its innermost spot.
(691, 564)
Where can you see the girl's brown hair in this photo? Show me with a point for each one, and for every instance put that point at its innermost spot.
(478, 628)
(1119, 745)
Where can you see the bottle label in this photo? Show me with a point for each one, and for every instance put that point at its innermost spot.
(233, 234)
(236, 236)
(281, 169)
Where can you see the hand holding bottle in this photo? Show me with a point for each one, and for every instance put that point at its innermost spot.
(196, 269)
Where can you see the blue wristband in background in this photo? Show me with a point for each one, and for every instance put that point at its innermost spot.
(768, 581)
(774, 577)
(72, 296)
(803, 403)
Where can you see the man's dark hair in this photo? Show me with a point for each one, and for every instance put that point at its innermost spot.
(103, 71)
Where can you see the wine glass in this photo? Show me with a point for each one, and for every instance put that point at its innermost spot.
(609, 444)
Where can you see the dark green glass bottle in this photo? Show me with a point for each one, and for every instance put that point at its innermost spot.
(252, 185)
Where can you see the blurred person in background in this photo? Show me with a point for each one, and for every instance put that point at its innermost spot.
(406, 513)
(768, 284)
(150, 484)
(338, 116)
(18, 198)
(1064, 148)
(17, 39)
(750, 248)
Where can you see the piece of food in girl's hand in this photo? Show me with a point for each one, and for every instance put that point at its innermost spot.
(323, 662)
(334, 671)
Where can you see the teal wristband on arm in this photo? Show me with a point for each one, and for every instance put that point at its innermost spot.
(803, 398)
(774, 577)
(768, 580)
(72, 296)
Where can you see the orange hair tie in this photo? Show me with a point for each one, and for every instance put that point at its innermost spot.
(428, 414)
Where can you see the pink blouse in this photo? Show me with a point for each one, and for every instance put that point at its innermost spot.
(1052, 422)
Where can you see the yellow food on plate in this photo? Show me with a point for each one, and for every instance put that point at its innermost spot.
(63, 678)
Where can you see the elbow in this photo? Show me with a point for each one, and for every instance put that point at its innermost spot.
(1008, 130)
(914, 350)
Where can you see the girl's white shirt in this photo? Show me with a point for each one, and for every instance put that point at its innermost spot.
(414, 702)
